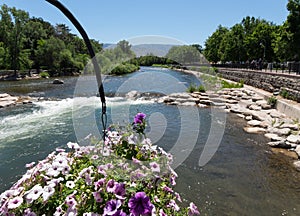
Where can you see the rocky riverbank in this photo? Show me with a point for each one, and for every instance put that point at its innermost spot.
(7, 100)
(282, 131)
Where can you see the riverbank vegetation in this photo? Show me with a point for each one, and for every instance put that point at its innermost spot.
(32, 43)
(255, 38)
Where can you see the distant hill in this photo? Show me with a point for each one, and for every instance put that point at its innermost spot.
(155, 49)
(145, 49)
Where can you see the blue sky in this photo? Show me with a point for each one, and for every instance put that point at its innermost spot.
(190, 21)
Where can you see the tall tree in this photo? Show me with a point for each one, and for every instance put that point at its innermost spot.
(212, 44)
(293, 26)
(16, 37)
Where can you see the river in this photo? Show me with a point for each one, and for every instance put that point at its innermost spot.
(243, 177)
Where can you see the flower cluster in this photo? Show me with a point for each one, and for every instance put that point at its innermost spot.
(125, 175)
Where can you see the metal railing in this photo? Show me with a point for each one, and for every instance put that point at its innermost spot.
(286, 67)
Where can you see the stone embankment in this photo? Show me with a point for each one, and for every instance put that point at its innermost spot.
(282, 131)
(268, 81)
(7, 100)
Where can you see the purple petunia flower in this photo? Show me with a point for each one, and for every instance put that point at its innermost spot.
(119, 213)
(139, 118)
(97, 197)
(111, 207)
(120, 191)
(140, 204)
(111, 186)
(193, 210)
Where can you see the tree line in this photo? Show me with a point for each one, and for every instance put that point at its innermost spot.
(29, 42)
(255, 38)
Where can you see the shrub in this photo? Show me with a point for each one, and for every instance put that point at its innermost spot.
(272, 101)
(226, 84)
(44, 74)
(192, 88)
(125, 175)
(201, 88)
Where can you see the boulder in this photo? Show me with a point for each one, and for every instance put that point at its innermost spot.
(4, 95)
(255, 107)
(260, 116)
(297, 150)
(180, 95)
(282, 132)
(266, 106)
(261, 102)
(290, 126)
(167, 99)
(274, 137)
(297, 165)
(254, 123)
(254, 130)
(279, 144)
(58, 81)
(188, 104)
(293, 139)
(231, 101)
(257, 98)
(133, 95)
(276, 114)
(207, 102)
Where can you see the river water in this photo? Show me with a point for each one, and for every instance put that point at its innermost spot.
(243, 177)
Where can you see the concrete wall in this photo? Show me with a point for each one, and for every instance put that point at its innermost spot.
(270, 82)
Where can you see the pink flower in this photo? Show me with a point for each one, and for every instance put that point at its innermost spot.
(15, 203)
(173, 205)
(110, 186)
(155, 167)
(97, 197)
(193, 210)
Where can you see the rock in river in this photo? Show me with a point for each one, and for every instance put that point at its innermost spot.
(58, 81)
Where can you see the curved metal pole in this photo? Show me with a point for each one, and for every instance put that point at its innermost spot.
(87, 41)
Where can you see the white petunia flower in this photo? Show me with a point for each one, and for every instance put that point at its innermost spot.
(14, 203)
(70, 184)
(34, 193)
(48, 192)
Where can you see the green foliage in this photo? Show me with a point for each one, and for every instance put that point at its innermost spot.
(293, 28)
(184, 54)
(151, 60)
(194, 88)
(272, 101)
(124, 68)
(201, 88)
(284, 93)
(212, 45)
(27, 43)
(44, 74)
(255, 38)
(226, 84)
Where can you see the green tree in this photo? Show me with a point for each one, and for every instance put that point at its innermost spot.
(184, 54)
(48, 53)
(293, 28)
(281, 44)
(213, 43)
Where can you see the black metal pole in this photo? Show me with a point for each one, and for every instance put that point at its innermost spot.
(86, 39)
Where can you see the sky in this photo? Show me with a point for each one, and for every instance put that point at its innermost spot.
(188, 21)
